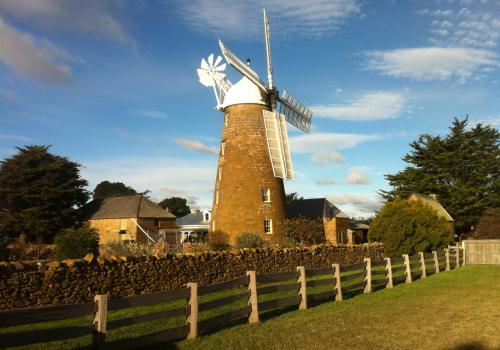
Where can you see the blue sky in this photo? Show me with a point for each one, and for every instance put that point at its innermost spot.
(113, 85)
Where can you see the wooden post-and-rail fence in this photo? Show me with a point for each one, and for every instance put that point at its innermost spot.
(302, 288)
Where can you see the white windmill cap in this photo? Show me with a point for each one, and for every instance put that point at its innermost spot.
(245, 91)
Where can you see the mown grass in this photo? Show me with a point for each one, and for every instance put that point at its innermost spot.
(430, 308)
(459, 309)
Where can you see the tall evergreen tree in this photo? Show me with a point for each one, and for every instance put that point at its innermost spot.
(110, 189)
(461, 168)
(39, 193)
(177, 205)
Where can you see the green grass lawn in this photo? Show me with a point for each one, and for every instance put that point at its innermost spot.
(459, 309)
(441, 312)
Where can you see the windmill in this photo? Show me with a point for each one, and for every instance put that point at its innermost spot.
(284, 107)
(255, 153)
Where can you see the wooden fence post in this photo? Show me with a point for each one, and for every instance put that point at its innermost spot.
(192, 319)
(100, 318)
(252, 297)
(302, 289)
(388, 273)
(457, 257)
(406, 261)
(336, 277)
(463, 253)
(436, 261)
(368, 275)
(422, 265)
(447, 257)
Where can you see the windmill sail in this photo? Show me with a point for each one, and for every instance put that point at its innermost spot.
(295, 112)
(277, 144)
(240, 66)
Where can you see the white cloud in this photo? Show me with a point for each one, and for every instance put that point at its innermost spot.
(149, 113)
(357, 204)
(371, 106)
(244, 18)
(126, 135)
(357, 176)
(322, 141)
(433, 63)
(326, 181)
(495, 122)
(34, 58)
(90, 16)
(327, 157)
(192, 180)
(197, 146)
(12, 137)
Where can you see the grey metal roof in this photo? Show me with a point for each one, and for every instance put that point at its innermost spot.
(191, 219)
(134, 206)
(432, 202)
(314, 208)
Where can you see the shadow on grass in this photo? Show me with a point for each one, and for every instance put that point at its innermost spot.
(472, 346)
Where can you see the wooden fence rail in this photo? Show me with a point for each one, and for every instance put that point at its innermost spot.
(259, 293)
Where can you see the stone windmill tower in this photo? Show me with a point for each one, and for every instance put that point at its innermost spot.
(254, 156)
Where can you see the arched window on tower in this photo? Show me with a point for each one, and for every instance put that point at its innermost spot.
(268, 226)
(220, 173)
(266, 195)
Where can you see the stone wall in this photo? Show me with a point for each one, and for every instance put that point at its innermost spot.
(76, 281)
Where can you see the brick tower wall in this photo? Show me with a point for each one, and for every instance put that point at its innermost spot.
(238, 205)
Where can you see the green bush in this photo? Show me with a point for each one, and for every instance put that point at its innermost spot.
(249, 240)
(218, 240)
(408, 227)
(303, 231)
(75, 243)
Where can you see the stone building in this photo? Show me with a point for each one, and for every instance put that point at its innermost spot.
(335, 222)
(132, 218)
(247, 195)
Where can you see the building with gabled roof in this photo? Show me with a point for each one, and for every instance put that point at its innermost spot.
(335, 222)
(194, 226)
(432, 202)
(132, 218)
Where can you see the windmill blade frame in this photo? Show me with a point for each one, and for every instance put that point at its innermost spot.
(295, 112)
(241, 67)
(277, 144)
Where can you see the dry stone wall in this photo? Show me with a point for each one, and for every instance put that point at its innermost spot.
(76, 281)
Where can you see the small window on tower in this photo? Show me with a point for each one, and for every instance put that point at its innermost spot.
(266, 195)
(268, 226)
(213, 225)
(216, 197)
(220, 173)
(222, 148)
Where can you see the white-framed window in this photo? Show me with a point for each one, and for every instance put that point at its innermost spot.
(266, 195)
(220, 173)
(268, 226)
(206, 216)
(123, 225)
(216, 197)
(222, 148)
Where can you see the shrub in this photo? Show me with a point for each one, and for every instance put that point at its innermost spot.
(119, 248)
(74, 243)
(218, 240)
(407, 227)
(304, 231)
(199, 247)
(249, 240)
